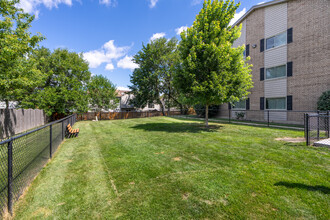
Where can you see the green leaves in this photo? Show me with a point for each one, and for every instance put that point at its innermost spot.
(18, 74)
(64, 86)
(323, 103)
(157, 61)
(212, 72)
(102, 93)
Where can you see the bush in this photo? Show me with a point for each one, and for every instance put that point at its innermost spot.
(324, 101)
(240, 115)
(200, 110)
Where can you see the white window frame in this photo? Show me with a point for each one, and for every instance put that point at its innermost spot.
(281, 77)
(286, 40)
(285, 103)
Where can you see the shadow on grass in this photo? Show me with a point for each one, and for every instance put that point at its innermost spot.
(323, 189)
(238, 124)
(177, 127)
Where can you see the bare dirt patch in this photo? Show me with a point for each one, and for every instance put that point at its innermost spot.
(207, 202)
(291, 140)
(176, 158)
(185, 196)
(42, 211)
(160, 153)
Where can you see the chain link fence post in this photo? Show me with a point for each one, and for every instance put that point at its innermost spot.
(50, 140)
(229, 116)
(268, 117)
(10, 177)
(328, 123)
(62, 130)
(307, 128)
(318, 125)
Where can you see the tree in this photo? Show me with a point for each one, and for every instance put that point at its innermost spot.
(212, 71)
(323, 103)
(102, 93)
(17, 72)
(64, 89)
(152, 81)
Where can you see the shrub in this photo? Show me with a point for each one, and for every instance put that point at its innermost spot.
(200, 110)
(324, 101)
(239, 115)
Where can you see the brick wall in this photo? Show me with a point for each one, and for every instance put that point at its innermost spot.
(309, 52)
(255, 31)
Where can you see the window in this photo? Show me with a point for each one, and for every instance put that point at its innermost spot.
(151, 105)
(276, 41)
(276, 103)
(276, 72)
(239, 105)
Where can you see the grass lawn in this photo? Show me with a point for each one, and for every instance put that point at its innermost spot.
(167, 168)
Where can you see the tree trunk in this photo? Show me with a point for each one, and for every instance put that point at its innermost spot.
(207, 116)
(162, 107)
(7, 104)
(169, 107)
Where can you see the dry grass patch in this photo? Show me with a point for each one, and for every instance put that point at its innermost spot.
(176, 158)
(291, 140)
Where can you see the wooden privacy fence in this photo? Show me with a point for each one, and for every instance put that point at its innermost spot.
(121, 115)
(15, 121)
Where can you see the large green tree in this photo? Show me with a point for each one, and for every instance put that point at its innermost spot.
(17, 72)
(102, 93)
(152, 81)
(64, 89)
(212, 71)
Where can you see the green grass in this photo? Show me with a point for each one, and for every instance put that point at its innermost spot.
(244, 121)
(167, 168)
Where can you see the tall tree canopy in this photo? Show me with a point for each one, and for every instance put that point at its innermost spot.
(102, 93)
(64, 88)
(17, 72)
(212, 71)
(152, 81)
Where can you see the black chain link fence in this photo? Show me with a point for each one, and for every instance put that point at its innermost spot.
(271, 118)
(23, 157)
(317, 127)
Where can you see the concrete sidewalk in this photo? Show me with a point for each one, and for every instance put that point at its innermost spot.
(323, 143)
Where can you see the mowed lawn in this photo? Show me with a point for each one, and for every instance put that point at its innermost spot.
(167, 168)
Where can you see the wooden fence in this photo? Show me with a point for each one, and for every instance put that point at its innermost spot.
(120, 115)
(15, 121)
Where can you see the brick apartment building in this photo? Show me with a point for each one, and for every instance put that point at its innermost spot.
(289, 45)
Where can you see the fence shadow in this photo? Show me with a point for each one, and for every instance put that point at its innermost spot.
(323, 189)
(177, 127)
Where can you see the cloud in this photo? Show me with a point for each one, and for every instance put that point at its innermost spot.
(237, 16)
(180, 29)
(127, 63)
(109, 66)
(32, 6)
(106, 54)
(123, 88)
(157, 35)
(108, 2)
(153, 3)
(196, 2)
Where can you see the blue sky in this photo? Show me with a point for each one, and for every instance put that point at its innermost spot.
(110, 32)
